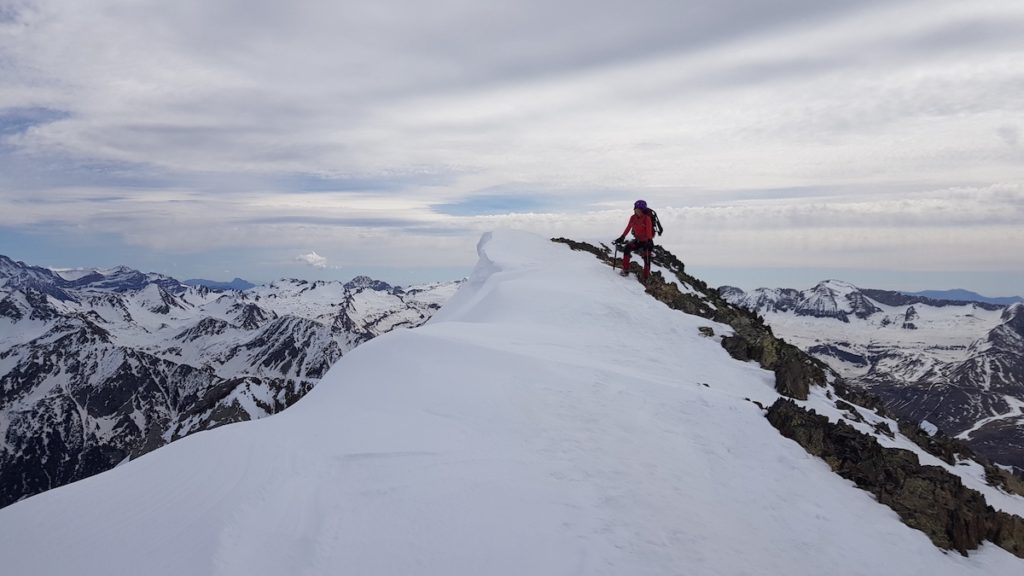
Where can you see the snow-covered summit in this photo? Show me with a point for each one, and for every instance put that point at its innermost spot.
(550, 419)
(841, 299)
(828, 299)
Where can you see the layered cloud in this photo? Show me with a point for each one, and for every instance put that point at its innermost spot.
(787, 133)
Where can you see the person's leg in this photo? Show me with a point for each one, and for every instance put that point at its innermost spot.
(626, 251)
(647, 264)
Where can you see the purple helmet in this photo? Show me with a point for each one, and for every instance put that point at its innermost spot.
(640, 204)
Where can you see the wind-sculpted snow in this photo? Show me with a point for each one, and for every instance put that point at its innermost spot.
(124, 362)
(551, 419)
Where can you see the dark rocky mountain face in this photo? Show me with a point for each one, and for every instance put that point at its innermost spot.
(361, 282)
(251, 316)
(958, 365)
(107, 368)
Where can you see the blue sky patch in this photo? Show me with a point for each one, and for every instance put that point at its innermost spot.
(331, 221)
(356, 183)
(512, 200)
(490, 204)
(18, 120)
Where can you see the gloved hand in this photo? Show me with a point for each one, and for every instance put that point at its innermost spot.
(650, 245)
(620, 239)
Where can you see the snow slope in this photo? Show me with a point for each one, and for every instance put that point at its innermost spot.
(550, 419)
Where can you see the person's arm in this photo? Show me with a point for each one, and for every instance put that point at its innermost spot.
(629, 225)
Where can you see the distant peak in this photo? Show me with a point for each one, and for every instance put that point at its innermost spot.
(360, 282)
(837, 285)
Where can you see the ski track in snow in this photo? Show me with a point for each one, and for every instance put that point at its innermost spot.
(551, 419)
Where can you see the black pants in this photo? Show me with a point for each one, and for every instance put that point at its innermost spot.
(644, 248)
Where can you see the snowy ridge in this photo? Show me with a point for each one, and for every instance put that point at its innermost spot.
(551, 419)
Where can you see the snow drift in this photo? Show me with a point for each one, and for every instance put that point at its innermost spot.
(550, 419)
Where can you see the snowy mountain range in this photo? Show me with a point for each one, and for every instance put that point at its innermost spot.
(956, 364)
(552, 418)
(98, 367)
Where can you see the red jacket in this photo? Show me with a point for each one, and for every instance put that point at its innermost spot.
(642, 227)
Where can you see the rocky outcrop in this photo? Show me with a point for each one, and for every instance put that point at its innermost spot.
(795, 372)
(947, 449)
(1005, 481)
(927, 498)
(909, 317)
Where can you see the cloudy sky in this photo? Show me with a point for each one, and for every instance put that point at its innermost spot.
(782, 142)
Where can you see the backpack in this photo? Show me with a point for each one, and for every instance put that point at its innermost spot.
(655, 223)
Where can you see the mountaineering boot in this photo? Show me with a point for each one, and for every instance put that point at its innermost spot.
(624, 273)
